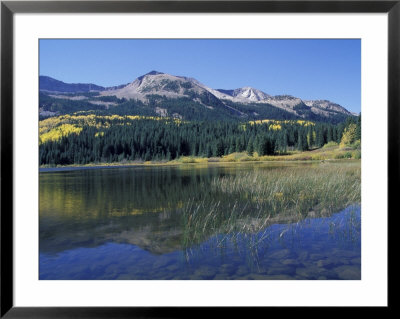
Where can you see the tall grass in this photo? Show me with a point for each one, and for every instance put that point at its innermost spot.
(299, 189)
(253, 200)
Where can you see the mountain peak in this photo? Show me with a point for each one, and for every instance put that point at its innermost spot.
(251, 94)
(150, 73)
(154, 73)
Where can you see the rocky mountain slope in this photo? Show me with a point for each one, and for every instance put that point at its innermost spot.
(169, 95)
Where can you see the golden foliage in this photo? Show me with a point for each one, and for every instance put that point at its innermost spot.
(275, 127)
(276, 124)
(54, 128)
(58, 132)
(349, 135)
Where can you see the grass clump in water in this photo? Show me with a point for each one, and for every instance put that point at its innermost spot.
(250, 201)
(300, 189)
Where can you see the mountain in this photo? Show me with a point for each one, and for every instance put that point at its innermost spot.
(245, 95)
(157, 83)
(49, 84)
(326, 106)
(157, 93)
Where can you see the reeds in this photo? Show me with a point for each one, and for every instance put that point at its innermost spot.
(255, 199)
(298, 189)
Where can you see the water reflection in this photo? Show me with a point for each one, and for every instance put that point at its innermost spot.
(171, 223)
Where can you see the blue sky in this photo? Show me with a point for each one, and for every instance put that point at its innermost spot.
(309, 69)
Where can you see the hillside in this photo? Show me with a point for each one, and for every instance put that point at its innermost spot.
(165, 95)
(89, 138)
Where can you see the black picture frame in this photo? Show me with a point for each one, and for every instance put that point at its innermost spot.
(9, 8)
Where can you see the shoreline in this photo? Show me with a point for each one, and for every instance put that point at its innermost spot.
(72, 167)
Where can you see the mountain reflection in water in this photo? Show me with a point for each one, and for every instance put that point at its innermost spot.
(178, 223)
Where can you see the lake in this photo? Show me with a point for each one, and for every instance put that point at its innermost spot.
(217, 221)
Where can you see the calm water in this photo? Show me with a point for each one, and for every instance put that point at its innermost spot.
(132, 223)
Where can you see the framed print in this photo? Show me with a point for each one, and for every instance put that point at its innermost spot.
(164, 155)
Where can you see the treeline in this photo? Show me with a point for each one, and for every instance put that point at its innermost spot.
(147, 139)
(193, 107)
(64, 106)
(185, 107)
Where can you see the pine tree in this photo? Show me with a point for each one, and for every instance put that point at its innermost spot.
(302, 141)
(250, 147)
(219, 149)
(358, 128)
